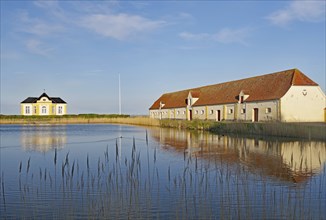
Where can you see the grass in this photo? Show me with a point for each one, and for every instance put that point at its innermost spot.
(78, 119)
(310, 131)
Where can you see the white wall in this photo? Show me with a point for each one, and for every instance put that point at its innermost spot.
(303, 103)
(199, 112)
(262, 106)
(177, 113)
(212, 112)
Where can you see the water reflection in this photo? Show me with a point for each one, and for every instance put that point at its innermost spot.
(293, 161)
(43, 138)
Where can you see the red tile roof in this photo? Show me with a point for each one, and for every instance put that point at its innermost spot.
(265, 87)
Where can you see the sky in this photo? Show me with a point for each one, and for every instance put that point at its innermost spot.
(76, 50)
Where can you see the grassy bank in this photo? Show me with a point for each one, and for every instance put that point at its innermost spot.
(311, 131)
(78, 119)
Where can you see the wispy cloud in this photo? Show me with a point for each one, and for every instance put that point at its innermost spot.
(225, 35)
(305, 11)
(38, 47)
(191, 36)
(37, 26)
(51, 7)
(119, 26)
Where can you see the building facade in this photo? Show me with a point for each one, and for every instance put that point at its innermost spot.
(43, 105)
(288, 96)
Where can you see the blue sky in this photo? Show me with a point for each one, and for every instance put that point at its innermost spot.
(77, 49)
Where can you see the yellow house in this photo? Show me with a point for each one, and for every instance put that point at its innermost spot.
(43, 105)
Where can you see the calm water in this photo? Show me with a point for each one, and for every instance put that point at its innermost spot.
(122, 172)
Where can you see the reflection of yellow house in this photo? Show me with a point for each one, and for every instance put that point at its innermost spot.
(43, 105)
(43, 138)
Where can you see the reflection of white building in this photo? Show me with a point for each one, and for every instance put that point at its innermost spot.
(287, 160)
(43, 138)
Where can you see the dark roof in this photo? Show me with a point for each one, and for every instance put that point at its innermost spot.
(265, 87)
(30, 100)
(34, 99)
(57, 100)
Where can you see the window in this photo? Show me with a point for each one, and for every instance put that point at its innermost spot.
(60, 110)
(34, 109)
(53, 110)
(178, 112)
(196, 112)
(27, 110)
(44, 100)
(268, 110)
(243, 111)
(184, 112)
(230, 110)
(43, 109)
(202, 112)
(212, 112)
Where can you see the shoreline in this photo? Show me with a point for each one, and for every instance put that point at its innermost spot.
(303, 130)
(143, 121)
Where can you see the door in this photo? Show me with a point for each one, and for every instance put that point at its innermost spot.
(255, 118)
(218, 115)
(190, 115)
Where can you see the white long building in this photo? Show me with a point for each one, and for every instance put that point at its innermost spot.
(288, 96)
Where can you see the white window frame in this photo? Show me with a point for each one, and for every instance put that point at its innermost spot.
(44, 110)
(60, 110)
(27, 110)
(268, 110)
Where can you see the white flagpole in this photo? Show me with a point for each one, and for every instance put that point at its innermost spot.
(119, 96)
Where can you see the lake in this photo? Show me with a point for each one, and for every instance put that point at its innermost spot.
(128, 172)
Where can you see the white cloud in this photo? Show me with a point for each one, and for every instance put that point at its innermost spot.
(191, 36)
(305, 11)
(37, 26)
(120, 26)
(225, 35)
(51, 7)
(38, 47)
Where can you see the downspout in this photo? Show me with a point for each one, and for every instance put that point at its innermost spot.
(279, 111)
(206, 112)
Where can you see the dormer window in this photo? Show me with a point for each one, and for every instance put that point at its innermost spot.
(44, 100)
(242, 97)
(161, 104)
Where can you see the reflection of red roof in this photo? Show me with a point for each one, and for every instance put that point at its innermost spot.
(266, 87)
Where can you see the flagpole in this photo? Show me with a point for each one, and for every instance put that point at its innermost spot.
(119, 96)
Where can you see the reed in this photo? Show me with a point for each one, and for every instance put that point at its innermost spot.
(119, 185)
(310, 131)
(79, 119)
